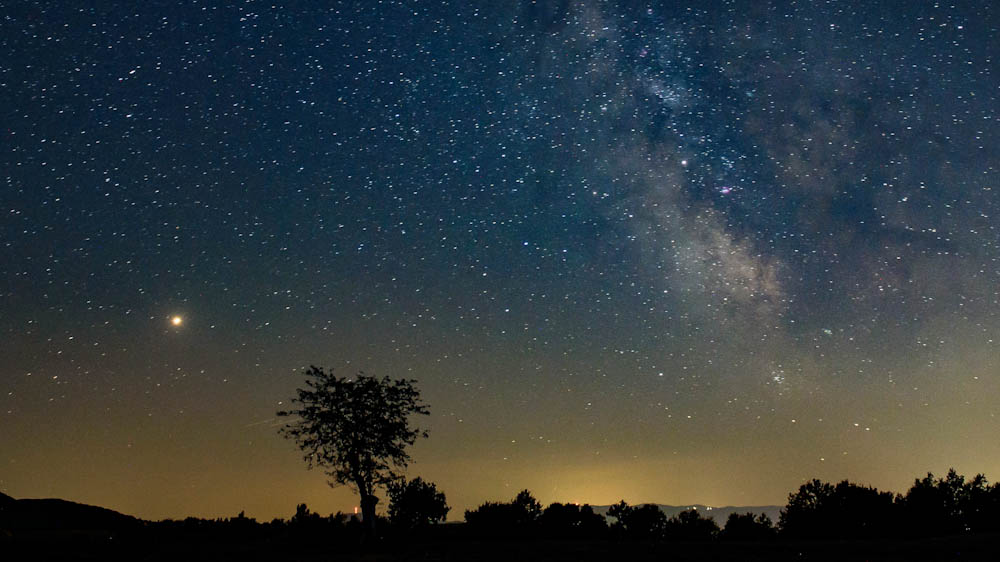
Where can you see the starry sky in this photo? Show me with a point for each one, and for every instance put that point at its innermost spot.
(674, 252)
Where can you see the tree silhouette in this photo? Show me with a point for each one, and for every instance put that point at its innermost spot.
(982, 512)
(592, 524)
(571, 521)
(415, 504)
(950, 505)
(304, 517)
(529, 508)
(516, 518)
(747, 527)
(642, 522)
(689, 525)
(620, 511)
(822, 510)
(802, 516)
(357, 429)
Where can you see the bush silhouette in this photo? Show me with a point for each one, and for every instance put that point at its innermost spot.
(415, 504)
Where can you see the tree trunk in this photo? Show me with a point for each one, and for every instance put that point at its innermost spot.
(368, 513)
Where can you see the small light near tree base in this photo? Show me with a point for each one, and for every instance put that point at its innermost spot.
(176, 320)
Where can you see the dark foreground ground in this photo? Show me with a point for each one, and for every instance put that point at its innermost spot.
(90, 547)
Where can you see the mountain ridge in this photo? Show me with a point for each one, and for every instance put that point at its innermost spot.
(720, 514)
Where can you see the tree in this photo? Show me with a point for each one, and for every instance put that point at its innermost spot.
(415, 504)
(689, 525)
(803, 516)
(847, 510)
(571, 521)
(951, 505)
(502, 519)
(303, 516)
(529, 508)
(357, 429)
(642, 522)
(982, 512)
(747, 527)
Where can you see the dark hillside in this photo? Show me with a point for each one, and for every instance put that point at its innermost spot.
(60, 515)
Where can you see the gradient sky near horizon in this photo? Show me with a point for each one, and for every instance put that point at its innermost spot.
(673, 252)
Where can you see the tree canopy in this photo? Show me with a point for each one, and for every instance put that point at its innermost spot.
(638, 522)
(357, 429)
(515, 518)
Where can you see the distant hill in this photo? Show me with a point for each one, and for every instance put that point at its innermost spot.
(60, 515)
(720, 514)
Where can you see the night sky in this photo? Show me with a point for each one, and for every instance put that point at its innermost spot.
(667, 252)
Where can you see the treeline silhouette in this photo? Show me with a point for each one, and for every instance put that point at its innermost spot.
(951, 505)
(817, 513)
(932, 507)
